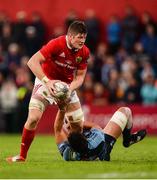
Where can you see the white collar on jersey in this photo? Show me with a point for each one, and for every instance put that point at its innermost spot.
(66, 37)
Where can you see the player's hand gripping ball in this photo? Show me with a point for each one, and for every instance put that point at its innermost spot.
(61, 91)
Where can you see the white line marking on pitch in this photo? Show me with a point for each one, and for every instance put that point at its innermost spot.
(123, 175)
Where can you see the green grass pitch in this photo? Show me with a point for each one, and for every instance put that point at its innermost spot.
(44, 161)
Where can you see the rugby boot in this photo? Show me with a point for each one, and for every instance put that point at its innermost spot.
(134, 138)
(17, 158)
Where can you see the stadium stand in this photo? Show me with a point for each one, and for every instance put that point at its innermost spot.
(122, 67)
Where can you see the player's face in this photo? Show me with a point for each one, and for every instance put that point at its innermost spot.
(77, 41)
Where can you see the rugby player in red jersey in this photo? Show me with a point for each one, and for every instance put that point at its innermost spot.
(61, 59)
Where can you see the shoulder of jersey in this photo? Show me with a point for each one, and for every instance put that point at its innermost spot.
(86, 49)
(59, 42)
(59, 39)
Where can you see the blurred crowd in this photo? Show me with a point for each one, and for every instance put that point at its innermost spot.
(122, 67)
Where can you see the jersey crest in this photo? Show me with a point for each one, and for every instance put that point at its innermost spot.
(78, 59)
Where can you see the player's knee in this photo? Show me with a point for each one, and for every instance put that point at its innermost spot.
(120, 118)
(33, 120)
(37, 104)
(126, 111)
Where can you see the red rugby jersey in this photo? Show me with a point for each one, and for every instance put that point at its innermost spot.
(61, 61)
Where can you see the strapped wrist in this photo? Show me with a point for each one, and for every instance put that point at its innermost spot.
(45, 79)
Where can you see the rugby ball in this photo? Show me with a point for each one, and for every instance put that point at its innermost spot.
(61, 90)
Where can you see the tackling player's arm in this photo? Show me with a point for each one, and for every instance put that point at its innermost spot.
(58, 125)
(78, 80)
(61, 138)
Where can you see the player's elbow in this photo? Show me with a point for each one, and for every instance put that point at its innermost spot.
(29, 63)
(35, 60)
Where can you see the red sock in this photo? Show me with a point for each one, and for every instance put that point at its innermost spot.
(27, 138)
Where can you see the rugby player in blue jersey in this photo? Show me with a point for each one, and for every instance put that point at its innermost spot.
(95, 143)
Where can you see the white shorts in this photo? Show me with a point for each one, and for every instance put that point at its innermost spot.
(41, 90)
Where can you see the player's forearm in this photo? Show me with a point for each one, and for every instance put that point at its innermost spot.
(61, 137)
(78, 80)
(35, 65)
(76, 83)
(59, 121)
(58, 125)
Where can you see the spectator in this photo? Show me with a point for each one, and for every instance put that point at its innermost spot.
(149, 42)
(20, 27)
(22, 76)
(130, 66)
(113, 86)
(100, 56)
(7, 37)
(132, 93)
(120, 57)
(147, 68)
(101, 95)
(87, 90)
(3, 20)
(148, 90)
(91, 64)
(113, 34)
(139, 55)
(3, 63)
(147, 19)
(32, 42)
(8, 101)
(37, 23)
(93, 28)
(13, 56)
(130, 25)
(108, 64)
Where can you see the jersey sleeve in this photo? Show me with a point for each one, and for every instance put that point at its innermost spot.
(83, 64)
(51, 48)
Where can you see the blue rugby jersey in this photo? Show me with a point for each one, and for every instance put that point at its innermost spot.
(94, 137)
(96, 145)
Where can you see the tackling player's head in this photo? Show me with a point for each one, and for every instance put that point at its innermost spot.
(78, 142)
(77, 33)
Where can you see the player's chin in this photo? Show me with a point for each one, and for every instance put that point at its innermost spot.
(80, 46)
